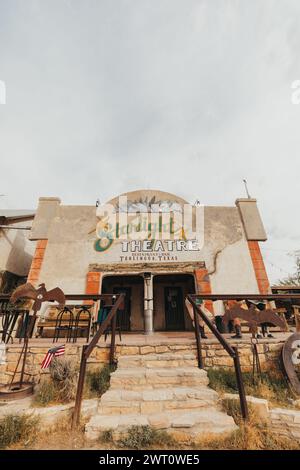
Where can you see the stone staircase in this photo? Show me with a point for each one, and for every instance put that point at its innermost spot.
(165, 391)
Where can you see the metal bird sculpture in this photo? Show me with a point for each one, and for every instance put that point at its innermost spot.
(40, 295)
(254, 317)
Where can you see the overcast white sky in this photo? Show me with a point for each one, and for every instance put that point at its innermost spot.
(186, 96)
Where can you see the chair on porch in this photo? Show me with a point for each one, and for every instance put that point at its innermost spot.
(83, 320)
(102, 315)
(64, 323)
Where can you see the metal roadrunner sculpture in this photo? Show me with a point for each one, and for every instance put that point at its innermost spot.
(39, 295)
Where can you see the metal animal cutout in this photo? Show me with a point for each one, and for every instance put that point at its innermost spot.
(39, 296)
(254, 317)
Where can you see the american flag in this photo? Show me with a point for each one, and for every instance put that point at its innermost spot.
(53, 352)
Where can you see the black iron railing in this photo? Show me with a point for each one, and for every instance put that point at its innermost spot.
(197, 303)
(111, 318)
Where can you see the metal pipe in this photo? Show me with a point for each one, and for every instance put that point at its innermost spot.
(79, 392)
(113, 340)
(86, 351)
(198, 340)
(240, 384)
(202, 296)
(212, 327)
(232, 351)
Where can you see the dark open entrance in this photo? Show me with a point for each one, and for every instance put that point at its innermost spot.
(169, 291)
(130, 315)
(174, 312)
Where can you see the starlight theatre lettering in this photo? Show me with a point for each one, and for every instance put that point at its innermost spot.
(158, 232)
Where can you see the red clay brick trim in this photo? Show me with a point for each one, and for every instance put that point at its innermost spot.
(37, 261)
(259, 267)
(92, 284)
(203, 286)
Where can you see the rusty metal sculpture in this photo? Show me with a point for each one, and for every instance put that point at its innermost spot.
(254, 318)
(40, 295)
(291, 359)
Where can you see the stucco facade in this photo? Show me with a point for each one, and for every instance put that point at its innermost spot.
(69, 254)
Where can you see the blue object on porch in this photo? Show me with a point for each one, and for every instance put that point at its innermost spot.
(101, 317)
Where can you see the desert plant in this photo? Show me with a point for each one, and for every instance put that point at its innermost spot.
(16, 428)
(98, 381)
(46, 393)
(64, 375)
(140, 437)
(106, 436)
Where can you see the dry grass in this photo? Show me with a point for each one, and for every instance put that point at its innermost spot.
(140, 437)
(17, 430)
(64, 375)
(60, 387)
(272, 386)
(253, 435)
(59, 437)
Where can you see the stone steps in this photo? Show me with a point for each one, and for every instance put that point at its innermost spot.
(140, 378)
(117, 401)
(162, 390)
(181, 424)
(158, 360)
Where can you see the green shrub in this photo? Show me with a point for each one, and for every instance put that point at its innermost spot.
(98, 381)
(106, 436)
(140, 437)
(16, 428)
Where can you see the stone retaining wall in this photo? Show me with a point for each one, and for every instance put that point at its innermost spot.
(282, 421)
(286, 422)
(213, 355)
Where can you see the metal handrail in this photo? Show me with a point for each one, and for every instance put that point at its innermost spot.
(88, 349)
(231, 350)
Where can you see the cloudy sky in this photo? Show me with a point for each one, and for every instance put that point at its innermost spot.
(186, 96)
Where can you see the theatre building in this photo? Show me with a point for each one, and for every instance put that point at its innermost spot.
(147, 251)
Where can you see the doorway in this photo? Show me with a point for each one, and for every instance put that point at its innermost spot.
(174, 312)
(123, 318)
(131, 314)
(169, 292)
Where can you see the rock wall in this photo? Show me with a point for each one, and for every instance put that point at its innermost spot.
(213, 355)
(282, 421)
